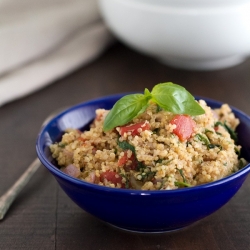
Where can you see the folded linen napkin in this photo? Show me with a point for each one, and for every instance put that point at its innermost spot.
(42, 41)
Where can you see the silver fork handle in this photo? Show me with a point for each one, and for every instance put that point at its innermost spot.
(7, 198)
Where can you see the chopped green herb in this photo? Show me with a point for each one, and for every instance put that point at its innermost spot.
(203, 139)
(62, 145)
(140, 165)
(242, 163)
(158, 161)
(210, 146)
(182, 175)
(126, 146)
(181, 184)
(126, 178)
(237, 151)
(165, 162)
(156, 131)
(208, 131)
(168, 161)
(232, 133)
(206, 142)
(146, 175)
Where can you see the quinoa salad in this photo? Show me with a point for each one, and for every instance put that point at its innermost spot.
(158, 149)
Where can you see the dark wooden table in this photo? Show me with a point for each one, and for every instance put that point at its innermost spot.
(43, 217)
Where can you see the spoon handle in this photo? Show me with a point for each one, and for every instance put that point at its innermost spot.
(7, 198)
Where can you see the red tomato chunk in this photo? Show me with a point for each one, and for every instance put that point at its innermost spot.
(112, 177)
(184, 126)
(124, 159)
(135, 129)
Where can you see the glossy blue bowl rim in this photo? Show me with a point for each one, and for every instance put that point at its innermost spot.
(90, 186)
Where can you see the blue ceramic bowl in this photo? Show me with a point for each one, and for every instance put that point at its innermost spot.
(144, 211)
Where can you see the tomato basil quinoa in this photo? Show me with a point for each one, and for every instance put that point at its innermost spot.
(155, 150)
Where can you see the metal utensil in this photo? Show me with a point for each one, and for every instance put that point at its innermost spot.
(10, 195)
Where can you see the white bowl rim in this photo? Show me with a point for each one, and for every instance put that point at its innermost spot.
(191, 7)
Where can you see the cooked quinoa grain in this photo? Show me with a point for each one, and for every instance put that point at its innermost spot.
(154, 151)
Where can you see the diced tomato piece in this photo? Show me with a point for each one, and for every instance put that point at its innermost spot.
(124, 159)
(111, 176)
(184, 126)
(133, 164)
(134, 128)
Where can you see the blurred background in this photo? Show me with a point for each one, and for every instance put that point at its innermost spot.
(57, 53)
(43, 41)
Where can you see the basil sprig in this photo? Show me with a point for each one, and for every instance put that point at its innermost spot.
(169, 96)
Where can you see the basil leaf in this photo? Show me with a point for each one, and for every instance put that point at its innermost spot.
(175, 99)
(124, 110)
(147, 93)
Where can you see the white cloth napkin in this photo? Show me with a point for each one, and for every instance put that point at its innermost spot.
(43, 40)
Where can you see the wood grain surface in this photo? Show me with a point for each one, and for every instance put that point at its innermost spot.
(43, 217)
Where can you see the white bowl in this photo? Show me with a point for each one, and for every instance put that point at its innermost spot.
(191, 34)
